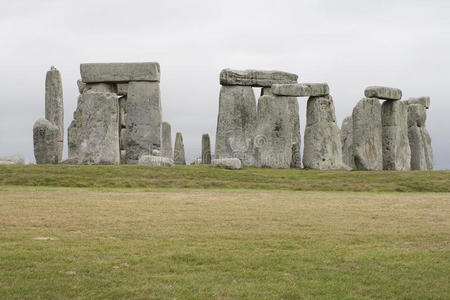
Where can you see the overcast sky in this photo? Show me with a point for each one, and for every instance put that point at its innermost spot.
(349, 44)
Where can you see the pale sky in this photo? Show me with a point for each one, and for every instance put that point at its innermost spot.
(349, 44)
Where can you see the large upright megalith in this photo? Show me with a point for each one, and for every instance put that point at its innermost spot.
(419, 139)
(322, 145)
(367, 131)
(166, 140)
(206, 149)
(178, 154)
(347, 142)
(294, 123)
(54, 105)
(46, 142)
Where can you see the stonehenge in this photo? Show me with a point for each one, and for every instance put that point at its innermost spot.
(229, 163)
(155, 161)
(178, 154)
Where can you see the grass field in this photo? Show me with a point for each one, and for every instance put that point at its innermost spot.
(241, 236)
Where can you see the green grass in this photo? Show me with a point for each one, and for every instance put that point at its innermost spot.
(208, 177)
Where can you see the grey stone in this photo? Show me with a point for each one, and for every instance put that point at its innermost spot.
(367, 135)
(322, 145)
(123, 112)
(419, 139)
(123, 157)
(120, 72)
(255, 78)
(101, 87)
(81, 86)
(166, 140)
(236, 124)
(206, 149)
(382, 92)
(347, 142)
(301, 89)
(229, 163)
(54, 105)
(294, 123)
(396, 150)
(12, 160)
(296, 162)
(144, 115)
(178, 155)
(266, 91)
(155, 161)
(122, 89)
(424, 101)
(273, 139)
(93, 134)
(46, 142)
(123, 138)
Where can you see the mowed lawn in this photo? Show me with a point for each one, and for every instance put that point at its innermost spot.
(212, 243)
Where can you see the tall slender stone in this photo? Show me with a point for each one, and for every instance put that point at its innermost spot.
(54, 105)
(236, 124)
(347, 142)
(178, 155)
(367, 129)
(206, 149)
(396, 150)
(46, 142)
(419, 139)
(166, 140)
(323, 148)
(294, 121)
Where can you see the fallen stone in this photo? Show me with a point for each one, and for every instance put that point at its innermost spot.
(381, 92)
(119, 72)
(322, 145)
(396, 150)
(255, 78)
(12, 160)
(229, 163)
(206, 149)
(347, 142)
(156, 161)
(166, 140)
(143, 108)
(123, 157)
(419, 139)
(301, 89)
(45, 141)
(367, 135)
(179, 155)
(123, 112)
(424, 101)
(156, 152)
(236, 124)
(54, 105)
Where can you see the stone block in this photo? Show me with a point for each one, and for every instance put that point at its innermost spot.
(120, 72)
(382, 92)
(166, 140)
(301, 89)
(255, 78)
(155, 161)
(178, 154)
(229, 163)
(54, 105)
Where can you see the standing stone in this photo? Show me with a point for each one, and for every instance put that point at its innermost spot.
(273, 140)
(143, 108)
(178, 155)
(367, 129)
(255, 78)
(206, 149)
(46, 142)
(419, 139)
(166, 140)
(294, 122)
(93, 134)
(54, 106)
(236, 124)
(396, 150)
(347, 142)
(323, 148)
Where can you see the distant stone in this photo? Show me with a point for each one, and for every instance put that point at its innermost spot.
(229, 163)
(396, 150)
(123, 157)
(12, 160)
(323, 148)
(367, 132)
(179, 155)
(301, 89)
(424, 101)
(206, 149)
(54, 105)
(45, 141)
(81, 86)
(255, 78)
(70, 161)
(381, 92)
(347, 142)
(419, 139)
(156, 161)
(119, 72)
(166, 140)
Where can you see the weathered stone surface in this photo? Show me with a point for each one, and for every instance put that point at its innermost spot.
(419, 139)
(123, 138)
(179, 155)
(396, 150)
(206, 149)
(123, 157)
(54, 105)
(144, 115)
(120, 72)
(273, 140)
(156, 152)
(12, 160)
(81, 86)
(166, 140)
(123, 112)
(347, 142)
(236, 124)
(101, 87)
(301, 89)
(156, 161)
(122, 89)
(367, 130)
(229, 163)
(294, 123)
(266, 91)
(382, 92)
(93, 134)
(296, 162)
(323, 148)
(255, 78)
(424, 101)
(45, 141)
